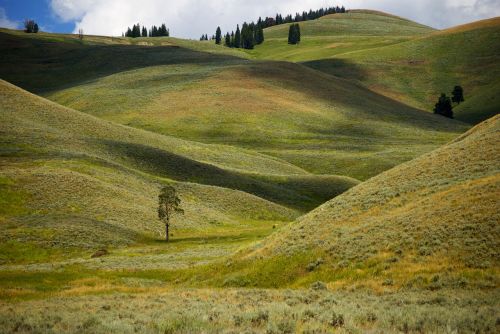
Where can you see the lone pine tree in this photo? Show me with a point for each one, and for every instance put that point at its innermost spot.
(168, 205)
(218, 36)
(237, 37)
(294, 34)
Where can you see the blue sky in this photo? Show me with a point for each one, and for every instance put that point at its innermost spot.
(16, 11)
(191, 18)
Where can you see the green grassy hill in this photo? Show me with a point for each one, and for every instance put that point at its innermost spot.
(429, 223)
(338, 34)
(311, 120)
(417, 71)
(70, 180)
(49, 61)
(266, 156)
(398, 58)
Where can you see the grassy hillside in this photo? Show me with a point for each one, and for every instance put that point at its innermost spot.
(429, 223)
(337, 34)
(251, 145)
(417, 71)
(400, 59)
(314, 121)
(44, 62)
(69, 180)
(310, 119)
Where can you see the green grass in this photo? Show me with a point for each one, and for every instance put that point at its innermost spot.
(338, 34)
(68, 181)
(398, 58)
(417, 71)
(435, 215)
(310, 119)
(314, 121)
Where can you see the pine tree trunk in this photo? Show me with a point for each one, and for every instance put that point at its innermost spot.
(166, 232)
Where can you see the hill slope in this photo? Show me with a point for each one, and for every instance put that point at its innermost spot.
(417, 70)
(435, 215)
(312, 120)
(337, 34)
(317, 122)
(70, 180)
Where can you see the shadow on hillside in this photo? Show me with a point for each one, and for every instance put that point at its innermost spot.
(301, 194)
(359, 102)
(42, 65)
(338, 67)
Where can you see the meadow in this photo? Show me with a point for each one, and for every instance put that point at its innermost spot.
(400, 59)
(320, 195)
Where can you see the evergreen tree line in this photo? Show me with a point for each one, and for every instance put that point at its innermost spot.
(252, 34)
(444, 107)
(304, 16)
(155, 31)
(205, 38)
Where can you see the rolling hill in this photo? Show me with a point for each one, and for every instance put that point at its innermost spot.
(310, 119)
(337, 34)
(398, 58)
(431, 222)
(417, 71)
(69, 180)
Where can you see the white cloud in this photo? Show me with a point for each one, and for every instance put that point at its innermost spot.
(5, 22)
(191, 18)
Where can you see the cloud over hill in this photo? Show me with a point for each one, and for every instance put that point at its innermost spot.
(111, 17)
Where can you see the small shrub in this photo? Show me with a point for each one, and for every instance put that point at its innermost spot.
(238, 320)
(237, 281)
(99, 253)
(319, 286)
(286, 327)
(388, 282)
(260, 318)
(336, 320)
(342, 264)
(371, 317)
(424, 251)
(314, 265)
(435, 283)
(308, 314)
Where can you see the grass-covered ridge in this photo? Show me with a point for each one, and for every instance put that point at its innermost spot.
(433, 220)
(417, 71)
(72, 181)
(337, 34)
(398, 58)
(310, 119)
